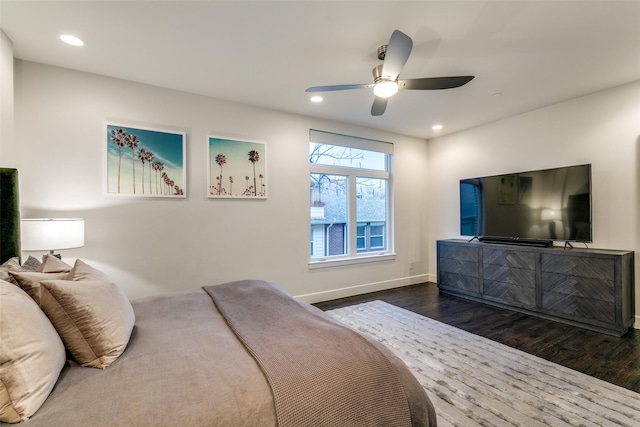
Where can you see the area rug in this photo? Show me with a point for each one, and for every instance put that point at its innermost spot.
(473, 381)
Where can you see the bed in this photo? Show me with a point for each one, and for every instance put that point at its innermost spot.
(242, 353)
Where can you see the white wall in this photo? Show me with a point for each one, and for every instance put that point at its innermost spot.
(155, 246)
(602, 129)
(7, 152)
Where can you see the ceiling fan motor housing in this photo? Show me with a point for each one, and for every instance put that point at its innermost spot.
(377, 74)
(382, 51)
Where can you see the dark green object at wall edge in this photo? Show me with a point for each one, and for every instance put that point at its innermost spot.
(9, 214)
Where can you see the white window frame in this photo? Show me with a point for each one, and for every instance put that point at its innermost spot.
(353, 256)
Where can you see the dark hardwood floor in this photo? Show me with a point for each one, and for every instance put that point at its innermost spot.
(612, 359)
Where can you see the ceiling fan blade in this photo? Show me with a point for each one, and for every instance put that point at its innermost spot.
(379, 105)
(338, 87)
(434, 83)
(398, 52)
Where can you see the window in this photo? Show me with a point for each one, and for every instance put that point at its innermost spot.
(350, 196)
(370, 237)
(470, 207)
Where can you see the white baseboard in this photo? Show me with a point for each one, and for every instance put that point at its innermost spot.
(363, 289)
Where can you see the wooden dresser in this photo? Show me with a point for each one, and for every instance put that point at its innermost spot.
(591, 288)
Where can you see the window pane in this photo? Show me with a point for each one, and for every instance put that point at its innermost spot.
(329, 213)
(377, 236)
(470, 208)
(361, 234)
(335, 155)
(371, 206)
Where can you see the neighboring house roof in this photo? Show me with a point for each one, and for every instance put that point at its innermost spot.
(372, 210)
(335, 210)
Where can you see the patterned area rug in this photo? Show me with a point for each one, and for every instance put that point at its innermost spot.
(473, 381)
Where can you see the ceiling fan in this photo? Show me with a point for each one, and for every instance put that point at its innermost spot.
(385, 76)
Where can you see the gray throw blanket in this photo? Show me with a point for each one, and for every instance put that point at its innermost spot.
(321, 373)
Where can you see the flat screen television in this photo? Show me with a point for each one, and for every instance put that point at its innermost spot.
(535, 207)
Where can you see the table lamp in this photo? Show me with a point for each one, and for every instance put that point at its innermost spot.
(550, 215)
(50, 234)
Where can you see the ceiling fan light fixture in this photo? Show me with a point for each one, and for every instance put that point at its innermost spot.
(385, 76)
(385, 88)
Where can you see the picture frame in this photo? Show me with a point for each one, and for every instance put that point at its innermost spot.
(507, 190)
(145, 162)
(237, 168)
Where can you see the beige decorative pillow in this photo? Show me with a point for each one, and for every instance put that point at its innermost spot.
(94, 318)
(29, 281)
(12, 264)
(53, 264)
(31, 264)
(31, 355)
(83, 271)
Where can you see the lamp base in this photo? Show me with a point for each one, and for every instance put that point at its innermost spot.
(51, 254)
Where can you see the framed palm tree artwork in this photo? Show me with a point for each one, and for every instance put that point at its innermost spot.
(145, 162)
(237, 168)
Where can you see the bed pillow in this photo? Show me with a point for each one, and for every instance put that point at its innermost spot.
(52, 264)
(31, 355)
(83, 271)
(92, 315)
(31, 264)
(13, 264)
(29, 281)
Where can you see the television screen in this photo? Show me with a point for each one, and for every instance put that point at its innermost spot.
(550, 204)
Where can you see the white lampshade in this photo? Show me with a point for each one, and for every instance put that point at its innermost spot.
(549, 215)
(49, 234)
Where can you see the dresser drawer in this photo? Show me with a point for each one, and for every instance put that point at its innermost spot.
(583, 309)
(592, 267)
(459, 283)
(601, 290)
(509, 258)
(459, 252)
(518, 276)
(466, 268)
(510, 293)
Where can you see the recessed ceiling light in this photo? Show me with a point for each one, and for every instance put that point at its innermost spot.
(72, 40)
(497, 95)
(316, 98)
(436, 127)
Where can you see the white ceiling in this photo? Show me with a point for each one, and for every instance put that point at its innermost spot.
(534, 53)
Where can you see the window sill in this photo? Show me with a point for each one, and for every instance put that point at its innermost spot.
(337, 262)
